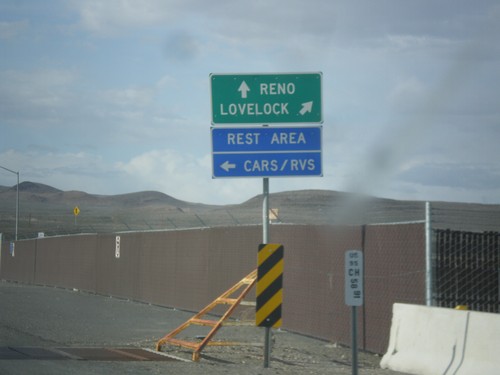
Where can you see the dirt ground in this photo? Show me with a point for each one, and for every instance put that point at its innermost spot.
(291, 354)
(46, 317)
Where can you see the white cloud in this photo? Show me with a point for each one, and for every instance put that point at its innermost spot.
(165, 81)
(10, 30)
(467, 176)
(405, 86)
(35, 93)
(416, 42)
(129, 97)
(187, 177)
(183, 176)
(408, 95)
(182, 46)
(63, 170)
(110, 17)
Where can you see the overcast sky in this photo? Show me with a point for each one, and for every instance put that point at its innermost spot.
(113, 96)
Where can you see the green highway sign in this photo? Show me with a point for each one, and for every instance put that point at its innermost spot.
(266, 98)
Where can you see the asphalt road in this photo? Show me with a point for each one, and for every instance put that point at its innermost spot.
(47, 317)
(34, 316)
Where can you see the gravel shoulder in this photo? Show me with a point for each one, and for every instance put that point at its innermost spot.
(37, 316)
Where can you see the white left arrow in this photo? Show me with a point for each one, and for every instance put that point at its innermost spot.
(244, 89)
(306, 107)
(227, 166)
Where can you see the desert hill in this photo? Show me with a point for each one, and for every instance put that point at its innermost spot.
(47, 209)
(36, 192)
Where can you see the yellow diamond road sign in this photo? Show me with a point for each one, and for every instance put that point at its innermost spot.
(76, 211)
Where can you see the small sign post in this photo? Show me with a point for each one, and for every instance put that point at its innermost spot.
(354, 297)
(76, 212)
(117, 247)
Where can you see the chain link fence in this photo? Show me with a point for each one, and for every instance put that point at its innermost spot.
(48, 210)
(467, 270)
(465, 257)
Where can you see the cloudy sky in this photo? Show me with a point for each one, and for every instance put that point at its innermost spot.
(113, 96)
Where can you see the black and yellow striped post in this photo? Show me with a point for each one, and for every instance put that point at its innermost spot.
(269, 285)
(269, 292)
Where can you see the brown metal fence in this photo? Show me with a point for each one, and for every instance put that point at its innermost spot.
(394, 272)
(467, 269)
(187, 269)
(19, 264)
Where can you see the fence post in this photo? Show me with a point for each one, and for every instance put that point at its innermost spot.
(428, 255)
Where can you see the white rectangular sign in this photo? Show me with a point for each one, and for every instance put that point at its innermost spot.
(117, 247)
(354, 278)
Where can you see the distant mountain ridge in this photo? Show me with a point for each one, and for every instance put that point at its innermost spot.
(45, 208)
(34, 191)
(36, 187)
(33, 187)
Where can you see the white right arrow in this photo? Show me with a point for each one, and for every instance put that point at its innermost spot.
(244, 89)
(306, 107)
(227, 165)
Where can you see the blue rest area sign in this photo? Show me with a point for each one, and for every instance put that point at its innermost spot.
(266, 152)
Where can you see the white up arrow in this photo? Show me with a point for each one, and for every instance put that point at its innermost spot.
(244, 89)
(306, 107)
(227, 166)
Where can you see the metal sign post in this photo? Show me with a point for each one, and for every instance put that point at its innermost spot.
(278, 151)
(76, 212)
(265, 239)
(354, 297)
(269, 291)
(354, 340)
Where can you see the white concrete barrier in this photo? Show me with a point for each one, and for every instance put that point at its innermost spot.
(440, 341)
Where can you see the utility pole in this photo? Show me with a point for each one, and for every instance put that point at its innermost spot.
(17, 197)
